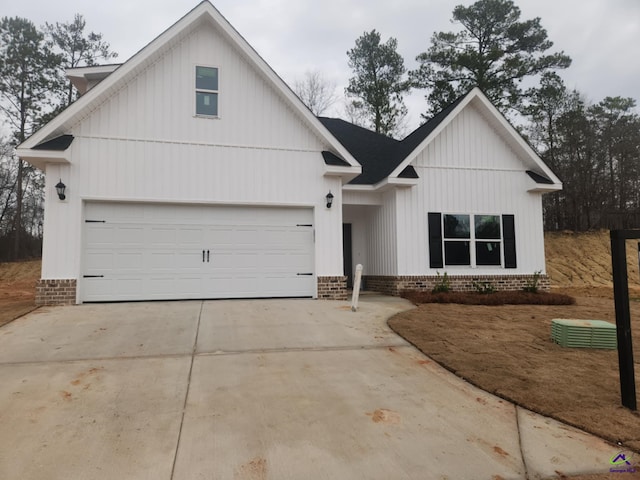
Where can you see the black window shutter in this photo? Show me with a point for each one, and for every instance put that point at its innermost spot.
(509, 235)
(435, 240)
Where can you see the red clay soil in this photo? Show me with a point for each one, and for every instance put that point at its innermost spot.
(17, 289)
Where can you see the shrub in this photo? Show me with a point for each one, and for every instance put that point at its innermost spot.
(443, 284)
(532, 285)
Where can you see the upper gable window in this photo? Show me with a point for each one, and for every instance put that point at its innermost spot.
(207, 91)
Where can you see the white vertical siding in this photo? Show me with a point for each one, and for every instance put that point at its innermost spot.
(362, 198)
(159, 103)
(469, 169)
(382, 237)
(144, 144)
(358, 217)
(61, 241)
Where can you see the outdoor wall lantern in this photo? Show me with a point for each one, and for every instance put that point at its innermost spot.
(60, 187)
(329, 199)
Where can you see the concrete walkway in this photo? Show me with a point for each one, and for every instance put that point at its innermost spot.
(274, 389)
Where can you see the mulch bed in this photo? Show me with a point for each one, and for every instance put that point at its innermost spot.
(495, 298)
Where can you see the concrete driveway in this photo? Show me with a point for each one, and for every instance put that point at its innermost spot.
(274, 389)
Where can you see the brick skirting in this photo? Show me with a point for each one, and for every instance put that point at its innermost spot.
(56, 292)
(332, 288)
(391, 285)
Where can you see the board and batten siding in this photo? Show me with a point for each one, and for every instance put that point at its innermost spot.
(469, 169)
(159, 103)
(382, 231)
(357, 216)
(144, 144)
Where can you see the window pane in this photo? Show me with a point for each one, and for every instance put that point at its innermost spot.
(207, 104)
(457, 226)
(487, 226)
(456, 253)
(206, 78)
(487, 253)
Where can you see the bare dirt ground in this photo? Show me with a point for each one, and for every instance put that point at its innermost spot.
(17, 289)
(507, 350)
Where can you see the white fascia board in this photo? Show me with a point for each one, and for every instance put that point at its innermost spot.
(84, 101)
(347, 173)
(539, 188)
(436, 131)
(383, 185)
(281, 86)
(403, 182)
(515, 136)
(91, 70)
(389, 183)
(40, 158)
(358, 188)
(82, 77)
(204, 10)
(492, 111)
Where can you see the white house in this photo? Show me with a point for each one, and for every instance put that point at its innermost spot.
(193, 171)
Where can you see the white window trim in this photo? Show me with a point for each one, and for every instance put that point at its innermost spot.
(204, 90)
(472, 241)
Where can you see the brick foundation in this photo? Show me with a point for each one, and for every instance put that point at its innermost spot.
(391, 285)
(332, 288)
(56, 292)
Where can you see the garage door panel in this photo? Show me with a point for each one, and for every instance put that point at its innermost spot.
(163, 237)
(162, 260)
(128, 236)
(188, 287)
(128, 261)
(99, 235)
(150, 251)
(190, 236)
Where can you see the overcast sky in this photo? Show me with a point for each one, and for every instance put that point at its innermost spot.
(601, 36)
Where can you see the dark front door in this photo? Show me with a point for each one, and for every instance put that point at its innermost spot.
(347, 253)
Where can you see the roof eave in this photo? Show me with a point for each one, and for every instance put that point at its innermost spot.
(40, 158)
(477, 95)
(357, 188)
(546, 188)
(389, 183)
(203, 10)
(347, 173)
(436, 131)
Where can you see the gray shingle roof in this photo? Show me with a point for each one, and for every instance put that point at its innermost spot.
(378, 154)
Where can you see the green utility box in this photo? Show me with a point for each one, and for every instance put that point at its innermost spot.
(583, 333)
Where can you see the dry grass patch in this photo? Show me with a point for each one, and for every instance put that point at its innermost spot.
(507, 350)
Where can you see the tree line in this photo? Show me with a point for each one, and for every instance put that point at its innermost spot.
(593, 147)
(33, 89)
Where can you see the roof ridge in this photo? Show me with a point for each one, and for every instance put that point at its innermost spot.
(351, 124)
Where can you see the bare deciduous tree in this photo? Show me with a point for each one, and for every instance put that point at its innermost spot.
(316, 92)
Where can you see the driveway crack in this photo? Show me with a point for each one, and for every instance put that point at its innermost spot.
(186, 394)
(524, 460)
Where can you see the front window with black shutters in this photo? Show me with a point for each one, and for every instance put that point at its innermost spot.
(457, 239)
(472, 240)
(487, 229)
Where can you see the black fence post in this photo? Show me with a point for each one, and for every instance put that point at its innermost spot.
(623, 315)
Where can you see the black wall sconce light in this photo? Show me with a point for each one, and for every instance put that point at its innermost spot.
(60, 187)
(329, 199)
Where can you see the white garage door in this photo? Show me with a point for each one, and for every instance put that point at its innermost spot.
(154, 252)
